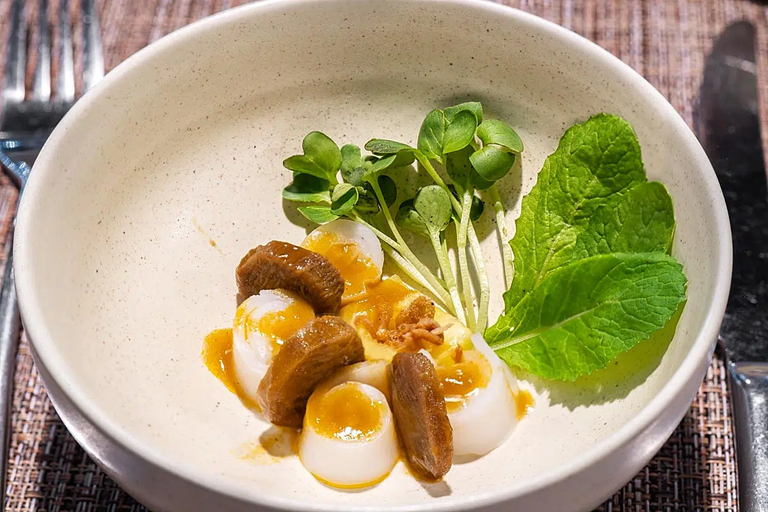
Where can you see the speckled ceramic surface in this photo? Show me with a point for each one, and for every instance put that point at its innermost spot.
(182, 145)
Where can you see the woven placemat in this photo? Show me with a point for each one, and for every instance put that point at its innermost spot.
(667, 41)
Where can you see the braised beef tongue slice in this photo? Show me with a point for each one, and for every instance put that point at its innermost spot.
(313, 354)
(420, 415)
(283, 265)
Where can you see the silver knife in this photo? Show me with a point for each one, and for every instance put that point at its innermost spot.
(728, 126)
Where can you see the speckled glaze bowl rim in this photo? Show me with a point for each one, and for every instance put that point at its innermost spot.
(46, 349)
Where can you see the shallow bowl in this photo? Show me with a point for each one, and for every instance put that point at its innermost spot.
(157, 182)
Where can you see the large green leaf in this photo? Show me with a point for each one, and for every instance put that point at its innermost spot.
(593, 160)
(641, 220)
(584, 314)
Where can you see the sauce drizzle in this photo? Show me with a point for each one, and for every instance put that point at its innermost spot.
(523, 403)
(345, 412)
(357, 269)
(217, 356)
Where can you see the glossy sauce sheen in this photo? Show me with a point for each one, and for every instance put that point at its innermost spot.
(345, 413)
(381, 300)
(461, 381)
(524, 403)
(278, 326)
(356, 269)
(217, 356)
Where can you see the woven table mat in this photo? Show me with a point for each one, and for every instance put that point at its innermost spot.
(667, 41)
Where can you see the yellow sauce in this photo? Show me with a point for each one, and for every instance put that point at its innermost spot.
(217, 356)
(378, 309)
(345, 413)
(380, 304)
(357, 269)
(462, 380)
(523, 403)
(352, 487)
(278, 326)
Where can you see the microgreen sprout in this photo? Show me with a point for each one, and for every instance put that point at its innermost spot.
(475, 153)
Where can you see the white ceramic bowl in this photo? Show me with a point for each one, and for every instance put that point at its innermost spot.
(183, 143)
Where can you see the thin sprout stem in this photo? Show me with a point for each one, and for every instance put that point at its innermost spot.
(482, 275)
(408, 255)
(461, 246)
(439, 293)
(477, 254)
(384, 237)
(387, 214)
(401, 247)
(501, 226)
(445, 266)
(424, 161)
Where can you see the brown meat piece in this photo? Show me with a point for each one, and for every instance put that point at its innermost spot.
(420, 415)
(321, 347)
(419, 309)
(283, 265)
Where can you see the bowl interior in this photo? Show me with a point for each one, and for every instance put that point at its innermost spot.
(184, 146)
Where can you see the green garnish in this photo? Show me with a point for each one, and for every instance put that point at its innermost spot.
(587, 272)
(591, 275)
(584, 314)
(475, 153)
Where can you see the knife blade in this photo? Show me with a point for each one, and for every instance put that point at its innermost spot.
(728, 126)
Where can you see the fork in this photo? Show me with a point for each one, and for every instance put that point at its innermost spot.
(25, 125)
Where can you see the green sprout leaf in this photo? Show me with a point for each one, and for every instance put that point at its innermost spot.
(306, 188)
(459, 131)
(353, 171)
(408, 218)
(321, 158)
(491, 162)
(343, 199)
(441, 134)
(479, 182)
(350, 160)
(318, 214)
(380, 165)
(366, 200)
(388, 189)
(432, 134)
(393, 161)
(471, 106)
(477, 209)
(433, 204)
(459, 168)
(386, 147)
(493, 131)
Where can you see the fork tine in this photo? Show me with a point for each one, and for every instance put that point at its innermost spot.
(41, 86)
(93, 68)
(16, 60)
(65, 80)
